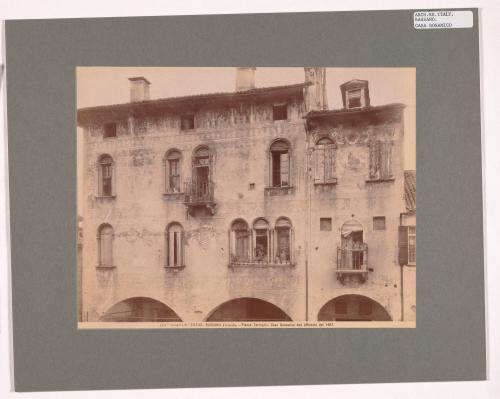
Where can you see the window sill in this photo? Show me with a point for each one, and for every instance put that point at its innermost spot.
(326, 183)
(174, 267)
(273, 191)
(104, 267)
(173, 195)
(238, 265)
(379, 180)
(104, 197)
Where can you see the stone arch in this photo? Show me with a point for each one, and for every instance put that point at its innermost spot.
(247, 309)
(140, 309)
(353, 307)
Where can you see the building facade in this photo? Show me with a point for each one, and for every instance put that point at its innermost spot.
(259, 204)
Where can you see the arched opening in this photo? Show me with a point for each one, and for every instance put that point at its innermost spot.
(140, 309)
(262, 238)
(248, 309)
(240, 241)
(353, 308)
(174, 240)
(105, 237)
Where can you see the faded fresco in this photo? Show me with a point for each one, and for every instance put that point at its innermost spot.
(246, 197)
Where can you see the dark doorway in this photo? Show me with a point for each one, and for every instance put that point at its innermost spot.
(353, 308)
(248, 309)
(140, 309)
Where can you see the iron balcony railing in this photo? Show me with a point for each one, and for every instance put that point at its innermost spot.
(352, 259)
(199, 192)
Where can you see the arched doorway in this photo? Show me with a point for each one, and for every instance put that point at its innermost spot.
(140, 309)
(248, 309)
(353, 308)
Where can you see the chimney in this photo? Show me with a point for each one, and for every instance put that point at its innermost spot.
(139, 89)
(245, 78)
(316, 99)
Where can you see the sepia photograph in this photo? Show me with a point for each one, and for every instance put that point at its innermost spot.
(246, 197)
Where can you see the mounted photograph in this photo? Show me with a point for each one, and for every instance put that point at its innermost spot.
(246, 197)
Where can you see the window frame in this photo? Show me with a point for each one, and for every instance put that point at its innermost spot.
(272, 159)
(171, 155)
(101, 164)
(102, 253)
(170, 231)
(379, 219)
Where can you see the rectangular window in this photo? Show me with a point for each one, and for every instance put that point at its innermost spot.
(187, 122)
(109, 130)
(325, 224)
(280, 112)
(380, 160)
(412, 245)
(379, 223)
(354, 98)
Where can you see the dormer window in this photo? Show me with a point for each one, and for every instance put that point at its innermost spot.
(354, 98)
(355, 94)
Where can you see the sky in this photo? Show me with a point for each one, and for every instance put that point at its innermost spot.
(110, 85)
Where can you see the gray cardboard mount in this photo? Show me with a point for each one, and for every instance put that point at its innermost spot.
(51, 354)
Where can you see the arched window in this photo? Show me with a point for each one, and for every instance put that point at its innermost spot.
(173, 171)
(325, 161)
(261, 241)
(106, 176)
(283, 241)
(280, 164)
(202, 165)
(105, 237)
(174, 236)
(240, 241)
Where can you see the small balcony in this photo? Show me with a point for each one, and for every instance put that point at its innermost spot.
(352, 263)
(199, 194)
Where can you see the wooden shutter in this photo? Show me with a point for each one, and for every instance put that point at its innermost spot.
(320, 164)
(403, 245)
(385, 159)
(329, 162)
(285, 170)
(106, 246)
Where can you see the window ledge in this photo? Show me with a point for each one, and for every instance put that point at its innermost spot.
(379, 180)
(104, 197)
(237, 265)
(104, 267)
(173, 195)
(272, 191)
(326, 183)
(174, 267)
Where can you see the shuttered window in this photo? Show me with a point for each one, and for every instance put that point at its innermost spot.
(403, 245)
(325, 161)
(280, 164)
(380, 160)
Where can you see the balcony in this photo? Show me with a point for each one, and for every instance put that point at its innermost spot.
(199, 195)
(352, 263)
